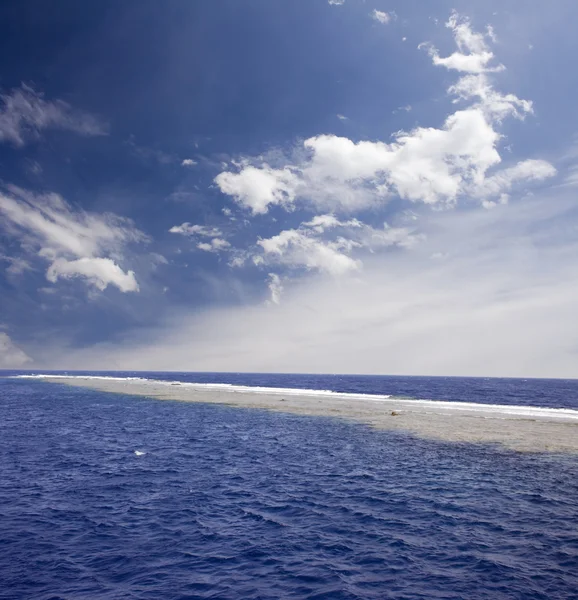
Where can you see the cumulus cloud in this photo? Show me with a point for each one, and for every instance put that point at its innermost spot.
(188, 162)
(431, 165)
(25, 113)
(258, 188)
(473, 54)
(494, 105)
(381, 17)
(214, 245)
(295, 248)
(100, 272)
(11, 356)
(77, 243)
(328, 245)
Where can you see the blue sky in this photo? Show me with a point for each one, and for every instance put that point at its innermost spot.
(356, 186)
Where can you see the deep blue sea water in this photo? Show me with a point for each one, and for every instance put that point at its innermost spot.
(110, 496)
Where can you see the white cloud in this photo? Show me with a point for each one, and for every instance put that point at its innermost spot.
(473, 55)
(275, 288)
(215, 245)
(17, 265)
(48, 225)
(295, 248)
(158, 259)
(11, 356)
(327, 245)
(100, 272)
(491, 34)
(527, 170)
(427, 164)
(381, 17)
(321, 223)
(25, 113)
(336, 2)
(342, 118)
(188, 162)
(257, 188)
(401, 237)
(192, 230)
(499, 301)
(494, 105)
(571, 178)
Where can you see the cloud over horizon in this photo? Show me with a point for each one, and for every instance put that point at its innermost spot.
(11, 356)
(359, 203)
(479, 289)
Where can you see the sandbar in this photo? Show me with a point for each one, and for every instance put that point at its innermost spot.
(520, 428)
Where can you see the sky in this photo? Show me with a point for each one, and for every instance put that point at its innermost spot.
(330, 186)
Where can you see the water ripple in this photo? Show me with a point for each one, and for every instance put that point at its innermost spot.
(224, 503)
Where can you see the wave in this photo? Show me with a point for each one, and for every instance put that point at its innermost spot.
(520, 411)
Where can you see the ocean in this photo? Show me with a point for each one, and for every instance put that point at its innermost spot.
(106, 496)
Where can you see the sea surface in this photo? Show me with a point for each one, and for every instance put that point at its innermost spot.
(112, 496)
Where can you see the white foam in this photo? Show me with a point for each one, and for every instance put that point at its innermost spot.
(65, 376)
(228, 387)
(519, 411)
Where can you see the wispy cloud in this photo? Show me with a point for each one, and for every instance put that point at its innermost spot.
(216, 244)
(147, 154)
(25, 113)
(77, 243)
(192, 230)
(275, 288)
(17, 265)
(498, 301)
(381, 17)
(328, 245)
(473, 55)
